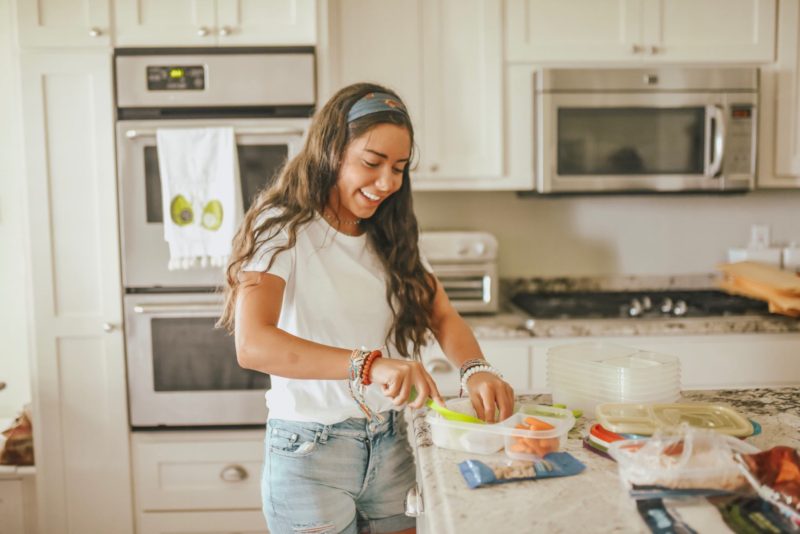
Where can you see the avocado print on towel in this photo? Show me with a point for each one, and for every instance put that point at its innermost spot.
(182, 214)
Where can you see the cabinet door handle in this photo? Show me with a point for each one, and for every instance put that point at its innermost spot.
(202, 31)
(413, 504)
(434, 167)
(95, 32)
(234, 473)
(438, 365)
(109, 327)
(637, 49)
(225, 31)
(654, 50)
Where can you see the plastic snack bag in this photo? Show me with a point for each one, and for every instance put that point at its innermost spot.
(685, 457)
(555, 464)
(775, 475)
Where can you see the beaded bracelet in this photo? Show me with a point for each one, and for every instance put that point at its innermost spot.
(486, 368)
(366, 379)
(469, 364)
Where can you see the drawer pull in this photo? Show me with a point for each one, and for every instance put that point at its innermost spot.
(234, 473)
(438, 365)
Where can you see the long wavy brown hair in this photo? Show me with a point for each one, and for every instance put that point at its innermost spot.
(302, 190)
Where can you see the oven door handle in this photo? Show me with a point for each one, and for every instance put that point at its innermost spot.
(187, 307)
(715, 114)
(276, 130)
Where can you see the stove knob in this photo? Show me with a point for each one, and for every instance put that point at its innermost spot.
(680, 308)
(666, 305)
(636, 308)
(647, 303)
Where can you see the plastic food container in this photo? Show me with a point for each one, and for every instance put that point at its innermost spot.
(647, 418)
(487, 439)
(534, 444)
(583, 375)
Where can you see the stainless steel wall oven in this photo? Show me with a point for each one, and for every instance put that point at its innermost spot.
(181, 370)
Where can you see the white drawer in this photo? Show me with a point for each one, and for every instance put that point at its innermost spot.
(198, 470)
(244, 522)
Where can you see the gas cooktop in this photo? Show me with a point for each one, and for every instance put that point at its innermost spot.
(636, 304)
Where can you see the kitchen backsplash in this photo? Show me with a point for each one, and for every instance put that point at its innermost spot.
(611, 235)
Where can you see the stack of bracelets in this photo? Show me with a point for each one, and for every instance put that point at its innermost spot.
(360, 366)
(470, 367)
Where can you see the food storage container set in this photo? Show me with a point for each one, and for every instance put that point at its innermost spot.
(583, 375)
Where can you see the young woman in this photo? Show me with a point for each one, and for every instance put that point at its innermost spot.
(325, 270)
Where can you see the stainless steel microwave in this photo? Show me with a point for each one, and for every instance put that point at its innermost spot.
(667, 129)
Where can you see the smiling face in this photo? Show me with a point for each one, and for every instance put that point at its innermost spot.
(372, 170)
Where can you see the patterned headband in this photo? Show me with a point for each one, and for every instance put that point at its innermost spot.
(373, 103)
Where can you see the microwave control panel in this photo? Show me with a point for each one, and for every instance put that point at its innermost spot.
(739, 139)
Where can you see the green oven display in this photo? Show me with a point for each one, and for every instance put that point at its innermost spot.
(176, 78)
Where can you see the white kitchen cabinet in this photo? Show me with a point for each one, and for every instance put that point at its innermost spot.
(198, 482)
(779, 119)
(444, 58)
(707, 361)
(17, 500)
(12, 519)
(217, 522)
(77, 355)
(63, 23)
(510, 356)
(688, 31)
(215, 22)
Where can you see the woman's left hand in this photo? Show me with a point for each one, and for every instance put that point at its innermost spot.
(490, 394)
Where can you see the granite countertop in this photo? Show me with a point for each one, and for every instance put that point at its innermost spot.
(512, 323)
(594, 497)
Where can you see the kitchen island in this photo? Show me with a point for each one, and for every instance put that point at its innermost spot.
(594, 499)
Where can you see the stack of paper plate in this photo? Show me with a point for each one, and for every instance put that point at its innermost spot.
(583, 375)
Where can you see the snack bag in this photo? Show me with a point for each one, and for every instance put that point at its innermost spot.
(775, 475)
(682, 458)
(555, 464)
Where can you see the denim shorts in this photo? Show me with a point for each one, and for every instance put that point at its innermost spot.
(349, 477)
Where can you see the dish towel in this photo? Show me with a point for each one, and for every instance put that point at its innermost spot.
(201, 194)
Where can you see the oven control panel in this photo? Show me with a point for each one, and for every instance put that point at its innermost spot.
(176, 78)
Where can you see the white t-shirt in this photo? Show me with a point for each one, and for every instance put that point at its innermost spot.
(335, 294)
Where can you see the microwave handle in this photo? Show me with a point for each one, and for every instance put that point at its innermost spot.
(716, 115)
(188, 307)
(133, 134)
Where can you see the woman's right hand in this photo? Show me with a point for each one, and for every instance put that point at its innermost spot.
(396, 377)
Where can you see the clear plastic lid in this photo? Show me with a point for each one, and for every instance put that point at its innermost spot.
(647, 418)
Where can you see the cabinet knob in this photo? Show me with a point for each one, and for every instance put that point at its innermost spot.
(234, 473)
(225, 31)
(438, 365)
(109, 327)
(654, 50)
(202, 31)
(434, 167)
(637, 49)
(95, 32)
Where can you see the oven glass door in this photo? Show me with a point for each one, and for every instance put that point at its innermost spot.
(599, 142)
(262, 145)
(181, 370)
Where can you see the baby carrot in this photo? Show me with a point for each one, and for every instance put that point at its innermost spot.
(538, 424)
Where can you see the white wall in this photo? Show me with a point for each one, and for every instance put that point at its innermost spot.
(609, 235)
(13, 283)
